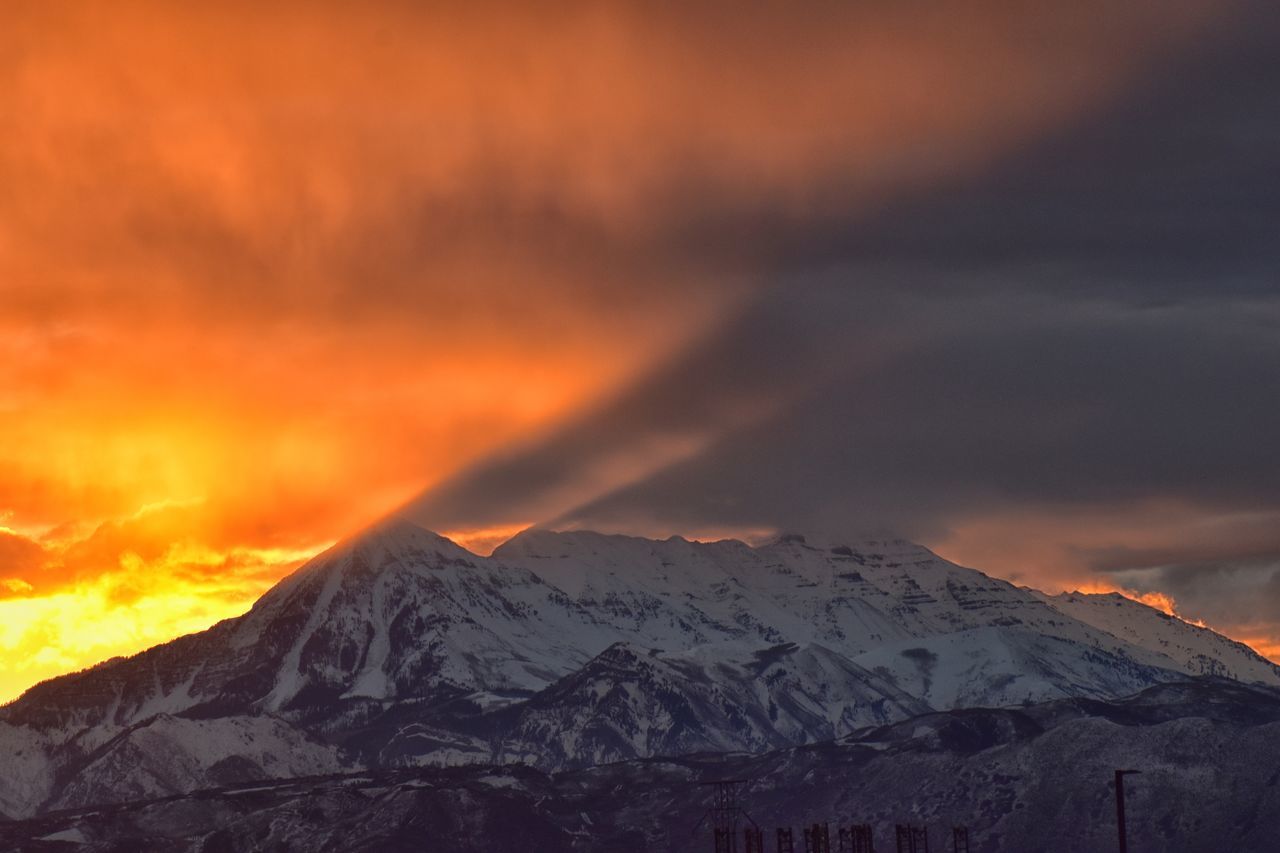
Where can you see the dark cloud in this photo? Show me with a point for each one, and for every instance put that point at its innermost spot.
(1164, 195)
(1242, 594)
(764, 359)
(1239, 537)
(997, 406)
(1091, 322)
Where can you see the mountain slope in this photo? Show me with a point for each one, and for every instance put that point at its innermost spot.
(1197, 650)
(171, 755)
(566, 649)
(629, 703)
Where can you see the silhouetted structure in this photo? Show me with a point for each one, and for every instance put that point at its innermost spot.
(817, 838)
(785, 843)
(1120, 826)
(724, 813)
(913, 839)
(754, 838)
(960, 839)
(856, 839)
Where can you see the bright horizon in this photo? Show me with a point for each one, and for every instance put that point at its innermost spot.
(124, 639)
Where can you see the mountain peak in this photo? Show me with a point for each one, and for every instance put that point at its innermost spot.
(544, 542)
(846, 545)
(396, 533)
(391, 541)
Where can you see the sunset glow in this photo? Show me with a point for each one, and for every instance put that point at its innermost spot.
(267, 276)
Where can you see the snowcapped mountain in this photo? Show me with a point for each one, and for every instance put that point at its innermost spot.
(397, 647)
(628, 702)
(171, 755)
(1196, 649)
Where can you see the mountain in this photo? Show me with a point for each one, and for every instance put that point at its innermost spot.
(398, 648)
(1020, 779)
(628, 702)
(1195, 648)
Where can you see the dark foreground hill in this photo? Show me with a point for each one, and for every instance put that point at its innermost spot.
(1033, 778)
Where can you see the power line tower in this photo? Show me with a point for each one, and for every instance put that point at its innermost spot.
(725, 813)
(959, 839)
(785, 842)
(754, 838)
(913, 839)
(856, 839)
(817, 838)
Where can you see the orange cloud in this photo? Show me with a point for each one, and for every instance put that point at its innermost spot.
(124, 588)
(1158, 600)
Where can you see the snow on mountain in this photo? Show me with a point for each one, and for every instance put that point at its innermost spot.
(29, 773)
(852, 598)
(170, 755)
(998, 666)
(1197, 650)
(402, 612)
(631, 703)
(399, 647)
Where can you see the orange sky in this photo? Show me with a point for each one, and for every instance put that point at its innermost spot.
(267, 271)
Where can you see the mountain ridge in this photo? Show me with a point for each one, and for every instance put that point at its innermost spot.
(398, 647)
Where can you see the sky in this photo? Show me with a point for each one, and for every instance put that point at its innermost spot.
(1000, 279)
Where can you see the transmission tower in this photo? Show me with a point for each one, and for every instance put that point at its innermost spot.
(725, 814)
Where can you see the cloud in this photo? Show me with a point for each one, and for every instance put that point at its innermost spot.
(278, 269)
(18, 554)
(1242, 596)
(994, 408)
(73, 599)
(1083, 332)
(300, 262)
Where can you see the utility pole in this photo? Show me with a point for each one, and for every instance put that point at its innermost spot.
(1120, 825)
